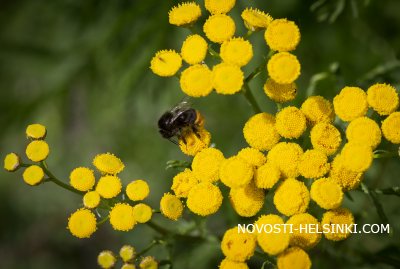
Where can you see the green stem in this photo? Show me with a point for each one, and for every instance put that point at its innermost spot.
(378, 154)
(250, 98)
(145, 250)
(57, 181)
(103, 220)
(213, 53)
(158, 228)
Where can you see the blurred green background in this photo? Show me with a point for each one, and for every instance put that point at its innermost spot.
(82, 69)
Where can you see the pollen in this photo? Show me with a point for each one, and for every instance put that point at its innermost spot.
(36, 131)
(317, 109)
(357, 157)
(37, 150)
(183, 182)
(339, 216)
(283, 67)
(82, 223)
(194, 142)
(350, 103)
(272, 243)
(12, 162)
(255, 19)
(106, 259)
(294, 257)
(304, 239)
(325, 137)
(313, 164)
(108, 163)
(219, 6)
(122, 217)
(247, 201)
(166, 63)
(282, 35)
(33, 175)
(364, 131)
(260, 132)
(290, 122)
(326, 193)
(238, 246)
(206, 165)
(227, 78)
(236, 51)
(184, 14)
(204, 199)
(171, 207)
(142, 213)
(219, 28)
(148, 262)
(82, 179)
(280, 93)
(194, 49)
(286, 157)
(266, 176)
(109, 186)
(127, 253)
(391, 128)
(137, 190)
(235, 172)
(252, 156)
(228, 264)
(196, 80)
(291, 197)
(347, 179)
(91, 199)
(383, 98)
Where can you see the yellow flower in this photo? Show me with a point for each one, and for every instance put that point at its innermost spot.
(219, 6)
(194, 49)
(238, 246)
(91, 199)
(364, 131)
(192, 143)
(219, 28)
(36, 131)
(339, 216)
(286, 156)
(283, 67)
(183, 182)
(82, 179)
(122, 217)
(108, 163)
(106, 259)
(357, 157)
(314, 164)
(326, 193)
(272, 242)
(228, 264)
(128, 266)
(33, 175)
(148, 262)
(383, 98)
(247, 201)
(260, 133)
(206, 164)
(325, 137)
(305, 239)
(227, 78)
(196, 80)
(391, 128)
(347, 180)
(350, 103)
(282, 35)
(280, 93)
(37, 150)
(255, 19)
(290, 122)
(235, 172)
(184, 14)
(166, 63)
(142, 213)
(109, 186)
(11, 162)
(127, 253)
(236, 51)
(317, 109)
(266, 176)
(252, 156)
(171, 207)
(204, 199)
(82, 223)
(291, 197)
(294, 258)
(137, 190)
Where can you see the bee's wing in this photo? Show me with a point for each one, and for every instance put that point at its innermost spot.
(181, 107)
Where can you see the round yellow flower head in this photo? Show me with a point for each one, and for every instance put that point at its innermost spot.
(282, 35)
(109, 186)
(108, 163)
(357, 157)
(294, 258)
(305, 239)
(228, 264)
(325, 137)
(383, 98)
(204, 199)
(272, 242)
(291, 197)
(142, 213)
(219, 28)
(391, 128)
(350, 103)
(235, 172)
(12, 162)
(91, 199)
(313, 164)
(227, 78)
(347, 180)
(194, 49)
(137, 190)
(184, 14)
(238, 246)
(122, 217)
(166, 63)
(37, 150)
(148, 262)
(236, 51)
(171, 207)
(127, 253)
(290, 122)
(106, 259)
(82, 223)
(183, 182)
(128, 266)
(266, 176)
(196, 80)
(254, 19)
(192, 143)
(219, 6)
(317, 109)
(339, 216)
(206, 164)
(36, 131)
(280, 93)
(82, 179)
(33, 175)
(286, 156)
(247, 201)
(283, 67)
(326, 193)
(260, 133)
(252, 156)
(364, 131)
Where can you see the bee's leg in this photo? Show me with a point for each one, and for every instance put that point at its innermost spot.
(196, 132)
(173, 141)
(182, 136)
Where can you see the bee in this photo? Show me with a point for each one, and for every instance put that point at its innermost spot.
(180, 119)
